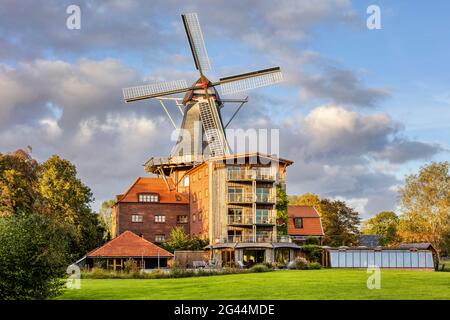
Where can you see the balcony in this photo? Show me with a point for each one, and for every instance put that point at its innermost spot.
(240, 220)
(265, 198)
(247, 238)
(250, 175)
(265, 220)
(247, 197)
(240, 197)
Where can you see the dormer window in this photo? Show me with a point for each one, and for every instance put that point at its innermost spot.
(148, 197)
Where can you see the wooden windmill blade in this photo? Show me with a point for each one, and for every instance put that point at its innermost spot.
(213, 127)
(196, 42)
(250, 80)
(155, 90)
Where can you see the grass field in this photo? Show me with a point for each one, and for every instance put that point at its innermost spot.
(307, 284)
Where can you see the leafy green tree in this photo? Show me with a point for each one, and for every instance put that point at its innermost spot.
(282, 212)
(179, 240)
(33, 257)
(68, 199)
(307, 199)
(425, 203)
(385, 224)
(340, 223)
(105, 216)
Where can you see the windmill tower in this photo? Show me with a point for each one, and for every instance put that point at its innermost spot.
(202, 133)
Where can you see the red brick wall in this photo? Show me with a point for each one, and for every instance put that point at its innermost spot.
(149, 228)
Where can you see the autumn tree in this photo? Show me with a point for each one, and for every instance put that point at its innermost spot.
(340, 223)
(18, 183)
(384, 224)
(307, 199)
(425, 203)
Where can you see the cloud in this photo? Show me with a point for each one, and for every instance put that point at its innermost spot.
(401, 151)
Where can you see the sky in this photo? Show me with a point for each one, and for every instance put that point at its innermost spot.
(358, 109)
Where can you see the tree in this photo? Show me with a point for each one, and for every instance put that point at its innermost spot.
(105, 216)
(69, 199)
(18, 181)
(385, 224)
(425, 203)
(179, 240)
(340, 223)
(33, 257)
(282, 212)
(307, 199)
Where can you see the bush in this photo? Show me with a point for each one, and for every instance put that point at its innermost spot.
(33, 257)
(130, 266)
(298, 264)
(313, 252)
(314, 266)
(259, 268)
(312, 241)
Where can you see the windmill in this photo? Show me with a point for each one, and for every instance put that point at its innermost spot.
(201, 102)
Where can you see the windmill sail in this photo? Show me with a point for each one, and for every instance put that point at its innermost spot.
(154, 90)
(196, 42)
(213, 127)
(250, 80)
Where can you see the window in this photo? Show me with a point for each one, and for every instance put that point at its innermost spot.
(137, 218)
(149, 197)
(199, 175)
(199, 195)
(206, 172)
(298, 222)
(182, 219)
(193, 217)
(262, 215)
(186, 181)
(160, 219)
(206, 193)
(200, 214)
(160, 237)
(193, 177)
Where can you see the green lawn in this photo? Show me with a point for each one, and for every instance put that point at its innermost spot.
(308, 284)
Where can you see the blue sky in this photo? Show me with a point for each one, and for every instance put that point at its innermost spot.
(357, 111)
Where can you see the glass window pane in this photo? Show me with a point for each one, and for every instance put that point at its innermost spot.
(414, 260)
(334, 259)
(364, 262)
(377, 261)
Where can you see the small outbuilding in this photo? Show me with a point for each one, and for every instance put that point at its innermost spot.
(406, 256)
(128, 245)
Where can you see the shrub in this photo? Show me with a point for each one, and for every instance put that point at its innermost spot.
(259, 268)
(299, 264)
(312, 241)
(130, 266)
(313, 252)
(33, 257)
(314, 266)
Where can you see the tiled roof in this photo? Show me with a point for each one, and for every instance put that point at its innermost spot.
(312, 224)
(152, 185)
(128, 244)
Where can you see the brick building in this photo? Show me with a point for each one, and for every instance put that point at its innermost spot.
(149, 209)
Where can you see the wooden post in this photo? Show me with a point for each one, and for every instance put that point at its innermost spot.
(114, 264)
